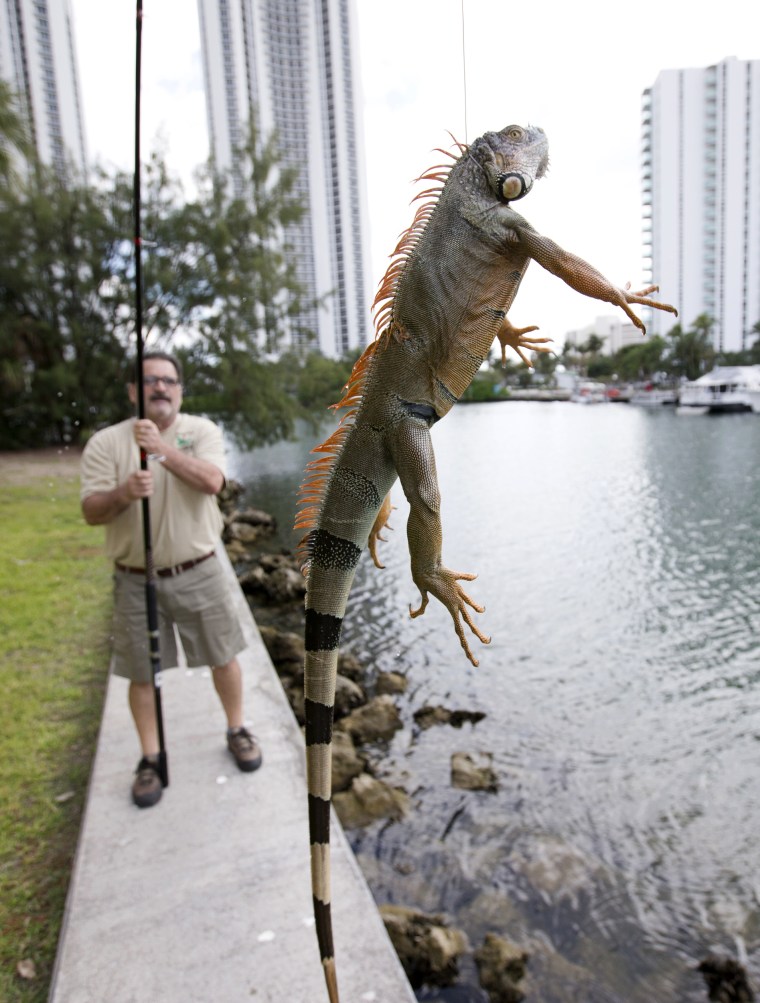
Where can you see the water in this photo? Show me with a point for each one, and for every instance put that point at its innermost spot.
(618, 553)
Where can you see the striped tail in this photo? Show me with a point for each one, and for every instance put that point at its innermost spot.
(331, 572)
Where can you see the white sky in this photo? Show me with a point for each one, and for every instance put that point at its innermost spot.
(576, 69)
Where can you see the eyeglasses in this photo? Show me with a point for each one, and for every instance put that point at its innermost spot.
(153, 381)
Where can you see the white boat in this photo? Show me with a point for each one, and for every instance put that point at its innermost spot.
(725, 388)
(649, 396)
(589, 392)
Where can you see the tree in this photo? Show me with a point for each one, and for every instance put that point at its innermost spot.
(691, 352)
(642, 360)
(243, 298)
(14, 137)
(219, 288)
(61, 357)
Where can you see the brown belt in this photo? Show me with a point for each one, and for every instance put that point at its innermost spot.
(167, 572)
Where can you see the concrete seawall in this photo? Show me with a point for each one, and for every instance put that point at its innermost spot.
(206, 897)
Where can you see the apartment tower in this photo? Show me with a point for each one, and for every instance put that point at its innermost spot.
(701, 195)
(291, 63)
(38, 61)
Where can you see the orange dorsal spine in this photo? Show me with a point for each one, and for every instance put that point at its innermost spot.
(317, 476)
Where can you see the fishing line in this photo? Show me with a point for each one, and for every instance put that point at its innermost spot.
(464, 76)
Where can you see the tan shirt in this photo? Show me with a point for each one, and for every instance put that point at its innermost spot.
(185, 523)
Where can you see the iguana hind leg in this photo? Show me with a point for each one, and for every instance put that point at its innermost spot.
(381, 523)
(412, 451)
(444, 585)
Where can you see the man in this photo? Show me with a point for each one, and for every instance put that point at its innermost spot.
(186, 472)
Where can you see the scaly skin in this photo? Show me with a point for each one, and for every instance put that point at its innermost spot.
(443, 302)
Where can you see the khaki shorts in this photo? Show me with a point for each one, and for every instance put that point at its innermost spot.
(197, 601)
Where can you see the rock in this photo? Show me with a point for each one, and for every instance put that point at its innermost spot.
(273, 562)
(242, 532)
(427, 947)
(254, 517)
(377, 721)
(294, 693)
(501, 966)
(346, 761)
(726, 980)
(229, 495)
(348, 696)
(459, 717)
(350, 667)
(253, 581)
(368, 800)
(391, 682)
(283, 584)
(284, 647)
(236, 550)
(470, 775)
(428, 716)
(555, 869)
(26, 969)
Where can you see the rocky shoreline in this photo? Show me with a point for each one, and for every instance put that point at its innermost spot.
(431, 950)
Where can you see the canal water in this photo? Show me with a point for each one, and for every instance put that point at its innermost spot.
(618, 557)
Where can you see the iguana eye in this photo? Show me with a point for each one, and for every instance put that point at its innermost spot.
(511, 186)
(515, 133)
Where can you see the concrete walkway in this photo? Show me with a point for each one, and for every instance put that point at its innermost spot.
(206, 897)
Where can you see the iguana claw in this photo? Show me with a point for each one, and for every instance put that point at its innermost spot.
(444, 586)
(512, 337)
(642, 299)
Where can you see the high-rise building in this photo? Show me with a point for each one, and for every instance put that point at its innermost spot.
(290, 64)
(701, 194)
(38, 61)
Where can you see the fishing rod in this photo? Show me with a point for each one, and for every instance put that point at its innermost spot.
(151, 604)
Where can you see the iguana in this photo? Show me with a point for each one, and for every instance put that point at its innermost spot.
(441, 304)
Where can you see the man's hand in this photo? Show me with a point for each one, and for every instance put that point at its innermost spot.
(148, 437)
(139, 485)
(103, 506)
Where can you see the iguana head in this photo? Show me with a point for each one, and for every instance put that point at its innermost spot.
(512, 160)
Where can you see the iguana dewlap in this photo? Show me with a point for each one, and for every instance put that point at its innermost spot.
(442, 303)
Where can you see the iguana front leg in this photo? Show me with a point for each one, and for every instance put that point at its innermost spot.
(512, 337)
(412, 451)
(582, 276)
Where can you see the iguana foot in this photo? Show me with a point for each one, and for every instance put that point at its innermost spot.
(381, 523)
(443, 584)
(642, 299)
(512, 337)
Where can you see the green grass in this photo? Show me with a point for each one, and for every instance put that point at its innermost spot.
(55, 604)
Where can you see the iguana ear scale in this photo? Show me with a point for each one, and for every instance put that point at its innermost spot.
(512, 186)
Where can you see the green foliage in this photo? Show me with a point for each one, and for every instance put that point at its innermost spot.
(486, 387)
(14, 135)
(641, 360)
(218, 278)
(601, 367)
(54, 626)
(259, 402)
(61, 356)
(691, 352)
(245, 295)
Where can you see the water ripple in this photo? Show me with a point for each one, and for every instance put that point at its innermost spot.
(618, 555)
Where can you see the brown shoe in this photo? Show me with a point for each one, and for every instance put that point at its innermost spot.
(244, 748)
(146, 788)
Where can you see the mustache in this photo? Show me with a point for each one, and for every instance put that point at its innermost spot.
(160, 397)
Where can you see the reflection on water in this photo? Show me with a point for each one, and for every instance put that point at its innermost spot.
(618, 553)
